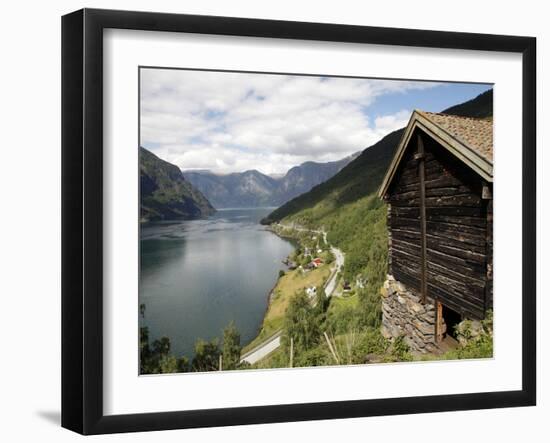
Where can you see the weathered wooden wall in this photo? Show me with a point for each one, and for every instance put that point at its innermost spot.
(456, 225)
(489, 288)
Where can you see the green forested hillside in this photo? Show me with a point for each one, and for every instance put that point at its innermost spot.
(479, 107)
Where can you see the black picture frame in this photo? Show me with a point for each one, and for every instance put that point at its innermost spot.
(82, 218)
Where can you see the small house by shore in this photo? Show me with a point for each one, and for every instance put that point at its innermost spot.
(438, 190)
(316, 262)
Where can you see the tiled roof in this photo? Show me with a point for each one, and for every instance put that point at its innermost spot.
(475, 133)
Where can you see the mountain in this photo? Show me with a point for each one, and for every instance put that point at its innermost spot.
(363, 175)
(254, 189)
(479, 107)
(238, 190)
(304, 177)
(357, 179)
(165, 194)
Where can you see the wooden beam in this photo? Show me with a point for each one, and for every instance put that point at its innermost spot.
(420, 155)
(332, 349)
(438, 319)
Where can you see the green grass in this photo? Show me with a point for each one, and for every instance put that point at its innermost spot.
(337, 304)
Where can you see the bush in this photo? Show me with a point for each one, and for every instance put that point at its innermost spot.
(317, 356)
(369, 342)
(480, 348)
(399, 349)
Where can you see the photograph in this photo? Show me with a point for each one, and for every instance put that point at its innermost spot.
(291, 221)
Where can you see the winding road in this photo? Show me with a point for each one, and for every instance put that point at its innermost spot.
(270, 344)
(333, 279)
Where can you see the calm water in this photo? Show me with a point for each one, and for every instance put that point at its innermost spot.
(197, 276)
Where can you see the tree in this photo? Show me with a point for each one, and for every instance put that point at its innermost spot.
(322, 300)
(301, 323)
(183, 364)
(162, 361)
(207, 355)
(162, 346)
(231, 347)
(157, 358)
(168, 364)
(144, 351)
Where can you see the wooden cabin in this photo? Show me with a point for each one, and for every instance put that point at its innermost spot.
(438, 188)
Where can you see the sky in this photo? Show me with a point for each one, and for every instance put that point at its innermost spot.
(232, 122)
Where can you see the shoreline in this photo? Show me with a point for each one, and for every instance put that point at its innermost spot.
(269, 296)
(293, 236)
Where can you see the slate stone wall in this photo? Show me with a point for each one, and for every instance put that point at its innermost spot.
(403, 314)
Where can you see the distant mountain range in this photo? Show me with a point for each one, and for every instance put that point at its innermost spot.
(165, 194)
(363, 175)
(254, 189)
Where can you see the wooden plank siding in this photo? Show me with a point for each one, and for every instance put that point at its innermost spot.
(489, 288)
(458, 234)
(405, 259)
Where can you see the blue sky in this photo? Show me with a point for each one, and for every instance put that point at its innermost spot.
(437, 99)
(232, 122)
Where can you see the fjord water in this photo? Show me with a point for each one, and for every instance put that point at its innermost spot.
(197, 276)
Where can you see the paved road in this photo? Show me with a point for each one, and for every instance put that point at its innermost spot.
(331, 284)
(263, 349)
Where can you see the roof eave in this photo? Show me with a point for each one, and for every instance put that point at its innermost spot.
(476, 162)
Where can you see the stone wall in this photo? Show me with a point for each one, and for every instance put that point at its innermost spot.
(403, 314)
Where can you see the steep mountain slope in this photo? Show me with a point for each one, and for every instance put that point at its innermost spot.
(479, 107)
(164, 192)
(253, 189)
(304, 177)
(357, 179)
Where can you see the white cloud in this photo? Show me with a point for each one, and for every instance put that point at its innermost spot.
(231, 122)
